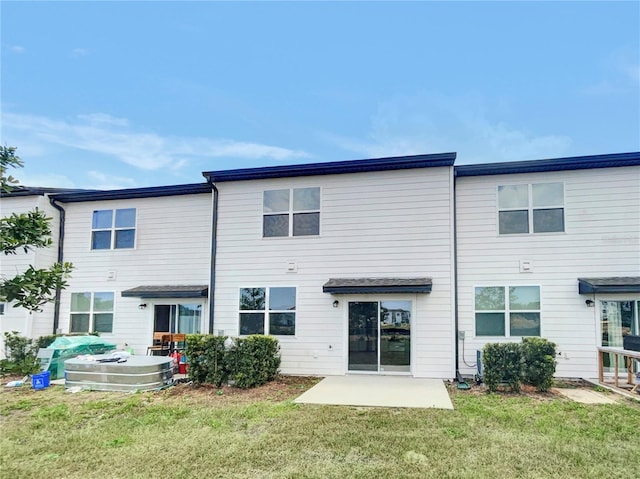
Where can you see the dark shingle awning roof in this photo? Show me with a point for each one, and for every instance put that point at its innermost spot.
(377, 285)
(171, 291)
(627, 284)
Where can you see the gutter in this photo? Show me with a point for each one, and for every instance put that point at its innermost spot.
(455, 279)
(56, 307)
(214, 244)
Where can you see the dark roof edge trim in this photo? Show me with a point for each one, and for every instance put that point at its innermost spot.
(376, 289)
(333, 168)
(165, 294)
(151, 192)
(38, 191)
(559, 164)
(585, 287)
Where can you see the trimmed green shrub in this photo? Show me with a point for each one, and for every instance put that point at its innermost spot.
(207, 359)
(502, 363)
(255, 360)
(245, 362)
(539, 362)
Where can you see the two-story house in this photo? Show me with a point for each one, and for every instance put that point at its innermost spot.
(403, 265)
(318, 255)
(549, 248)
(37, 323)
(142, 262)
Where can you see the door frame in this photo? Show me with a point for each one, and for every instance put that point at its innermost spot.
(175, 302)
(369, 298)
(617, 297)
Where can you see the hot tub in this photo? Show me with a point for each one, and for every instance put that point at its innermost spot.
(138, 373)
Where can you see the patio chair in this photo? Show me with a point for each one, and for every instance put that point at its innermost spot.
(179, 341)
(160, 345)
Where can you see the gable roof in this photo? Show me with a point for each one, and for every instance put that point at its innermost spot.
(150, 192)
(557, 164)
(333, 168)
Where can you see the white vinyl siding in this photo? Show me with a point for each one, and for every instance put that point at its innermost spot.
(173, 247)
(601, 238)
(376, 224)
(37, 323)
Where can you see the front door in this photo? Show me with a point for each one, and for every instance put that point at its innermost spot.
(380, 336)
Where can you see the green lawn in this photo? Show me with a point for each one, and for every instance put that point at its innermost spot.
(179, 433)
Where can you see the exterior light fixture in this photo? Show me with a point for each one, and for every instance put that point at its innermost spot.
(142, 306)
(336, 303)
(590, 303)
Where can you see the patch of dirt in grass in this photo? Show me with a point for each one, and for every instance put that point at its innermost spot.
(525, 391)
(281, 389)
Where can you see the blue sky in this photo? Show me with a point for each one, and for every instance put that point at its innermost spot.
(130, 94)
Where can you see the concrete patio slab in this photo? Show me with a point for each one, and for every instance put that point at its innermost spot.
(585, 396)
(378, 391)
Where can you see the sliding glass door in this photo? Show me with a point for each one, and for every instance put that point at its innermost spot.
(380, 336)
(617, 319)
(177, 318)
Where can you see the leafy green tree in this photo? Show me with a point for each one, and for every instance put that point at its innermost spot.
(26, 231)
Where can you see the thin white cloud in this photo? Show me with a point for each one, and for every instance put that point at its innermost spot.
(436, 124)
(45, 181)
(18, 49)
(102, 181)
(103, 134)
(620, 74)
(79, 52)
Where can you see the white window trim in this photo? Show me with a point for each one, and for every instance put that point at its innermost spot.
(113, 230)
(267, 311)
(530, 209)
(506, 311)
(91, 313)
(290, 212)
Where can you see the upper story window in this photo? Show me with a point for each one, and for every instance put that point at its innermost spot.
(113, 229)
(507, 311)
(91, 312)
(534, 208)
(292, 212)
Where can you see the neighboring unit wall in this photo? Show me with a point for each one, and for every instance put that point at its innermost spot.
(601, 239)
(30, 324)
(374, 224)
(172, 247)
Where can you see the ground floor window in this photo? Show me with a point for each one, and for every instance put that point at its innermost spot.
(91, 312)
(268, 311)
(507, 311)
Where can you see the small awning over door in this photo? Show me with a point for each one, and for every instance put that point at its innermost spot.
(626, 284)
(170, 291)
(377, 285)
